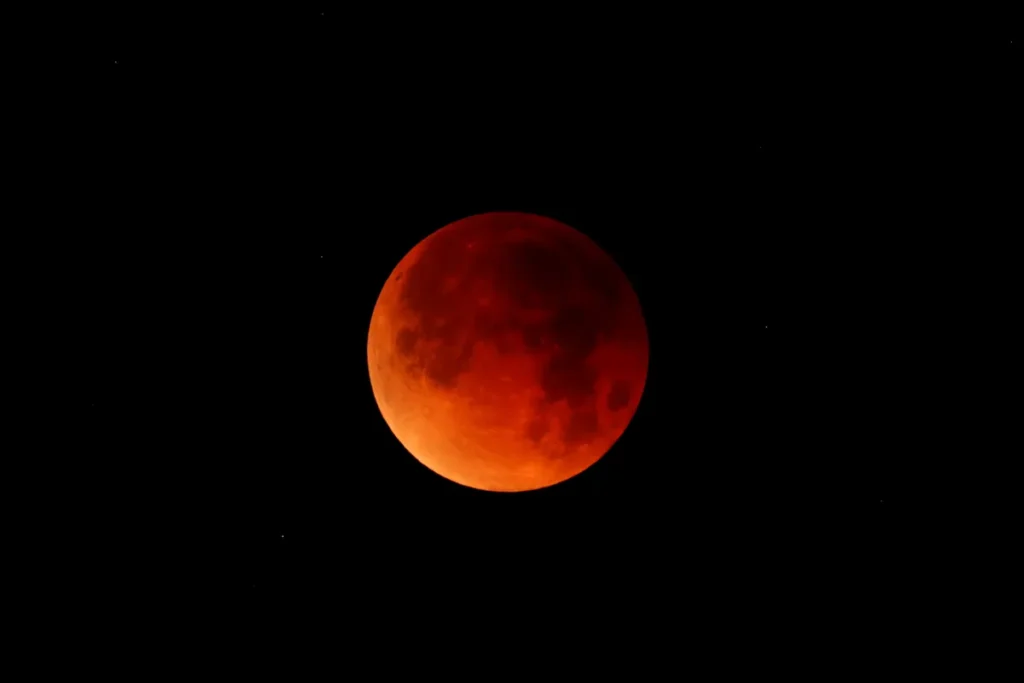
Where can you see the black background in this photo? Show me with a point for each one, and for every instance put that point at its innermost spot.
(243, 185)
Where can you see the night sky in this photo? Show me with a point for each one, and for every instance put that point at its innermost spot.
(248, 183)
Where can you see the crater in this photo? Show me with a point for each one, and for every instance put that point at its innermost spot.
(582, 426)
(537, 428)
(406, 340)
(618, 397)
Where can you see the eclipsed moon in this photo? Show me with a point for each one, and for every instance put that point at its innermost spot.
(507, 352)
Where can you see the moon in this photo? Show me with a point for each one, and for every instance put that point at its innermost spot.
(507, 352)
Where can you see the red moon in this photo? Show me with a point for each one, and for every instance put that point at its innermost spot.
(507, 352)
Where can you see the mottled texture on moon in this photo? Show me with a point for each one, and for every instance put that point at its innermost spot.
(507, 352)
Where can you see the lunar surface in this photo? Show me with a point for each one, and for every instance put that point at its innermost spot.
(507, 352)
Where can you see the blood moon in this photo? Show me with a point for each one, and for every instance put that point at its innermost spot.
(507, 352)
